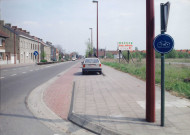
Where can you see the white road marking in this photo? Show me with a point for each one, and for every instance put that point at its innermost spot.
(31, 70)
(13, 74)
(23, 72)
(2, 77)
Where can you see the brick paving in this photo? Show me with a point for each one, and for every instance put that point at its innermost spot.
(116, 101)
(58, 96)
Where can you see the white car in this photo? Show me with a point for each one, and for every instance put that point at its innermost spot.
(73, 59)
(91, 65)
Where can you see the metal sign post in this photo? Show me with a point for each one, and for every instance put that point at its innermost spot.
(163, 29)
(163, 44)
(119, 55)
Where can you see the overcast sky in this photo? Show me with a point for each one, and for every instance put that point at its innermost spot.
(67, 22)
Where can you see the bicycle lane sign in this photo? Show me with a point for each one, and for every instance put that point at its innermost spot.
(163, 43)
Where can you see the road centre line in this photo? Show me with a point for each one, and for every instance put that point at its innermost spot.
(23, 72)
(2, 77)
(13, 75)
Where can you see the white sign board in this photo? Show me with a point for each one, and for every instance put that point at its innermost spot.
(125, 45)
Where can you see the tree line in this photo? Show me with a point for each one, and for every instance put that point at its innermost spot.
(172, 54)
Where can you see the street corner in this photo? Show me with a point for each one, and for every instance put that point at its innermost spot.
(52, 117)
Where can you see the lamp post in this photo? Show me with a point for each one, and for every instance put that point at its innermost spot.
(97, 24)
(91, 46)
(14, 46)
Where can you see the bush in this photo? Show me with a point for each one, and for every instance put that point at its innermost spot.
(109, 55)
(43, 61)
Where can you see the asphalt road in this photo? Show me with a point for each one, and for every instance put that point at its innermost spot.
(15, 85)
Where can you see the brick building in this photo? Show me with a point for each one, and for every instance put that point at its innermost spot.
(20, 45)
(3, 56)
(46, 51)
(12, 44)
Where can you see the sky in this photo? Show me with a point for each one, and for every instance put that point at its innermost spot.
(67, 22)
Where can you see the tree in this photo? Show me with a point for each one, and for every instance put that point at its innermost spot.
(43, 55)
(172, 54)
(89, 50)
(59, 47)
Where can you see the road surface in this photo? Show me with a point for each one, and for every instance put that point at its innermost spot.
(15, 85)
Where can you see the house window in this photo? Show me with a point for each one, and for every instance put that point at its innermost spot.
(1, 55)
(1, 43)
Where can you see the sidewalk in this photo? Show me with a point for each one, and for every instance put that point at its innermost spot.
(50, 103)
(115, 104)
(4, 66)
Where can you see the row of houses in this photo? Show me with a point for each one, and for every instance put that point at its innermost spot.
(18, 46)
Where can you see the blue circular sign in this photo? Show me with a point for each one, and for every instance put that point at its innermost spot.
(163, 43)
(35, 53)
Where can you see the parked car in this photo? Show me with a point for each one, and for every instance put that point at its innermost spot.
(91, 65)
(73, 59)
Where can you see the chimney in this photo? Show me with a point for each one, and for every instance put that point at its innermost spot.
(20, 29)
(49, 43)
(14, 27)
(27, 32)
(8, 24)
(24, 31)
(2, 22)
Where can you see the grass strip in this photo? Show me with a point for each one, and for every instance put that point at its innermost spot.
(174, 75)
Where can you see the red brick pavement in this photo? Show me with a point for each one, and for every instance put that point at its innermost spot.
(58, 95)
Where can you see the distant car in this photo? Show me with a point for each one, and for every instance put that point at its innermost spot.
(91, 65)
(73, 59)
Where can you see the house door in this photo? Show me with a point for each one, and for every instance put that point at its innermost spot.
(12, 58)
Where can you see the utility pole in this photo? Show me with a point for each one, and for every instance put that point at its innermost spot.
(150, 62)
(0, 9)
(91, 47)
(14, 46)
(97, 24)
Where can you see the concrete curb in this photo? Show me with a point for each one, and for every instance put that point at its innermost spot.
(39, 109)
(87, 124)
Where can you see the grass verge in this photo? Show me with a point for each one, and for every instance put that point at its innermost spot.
(174, 75)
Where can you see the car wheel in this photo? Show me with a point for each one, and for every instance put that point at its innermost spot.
(100, 72)
(83, 72)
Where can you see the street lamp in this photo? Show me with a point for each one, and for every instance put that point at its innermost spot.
(14, 45)
(91, 40)
(94, 1)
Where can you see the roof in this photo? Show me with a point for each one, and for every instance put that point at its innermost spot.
(3, 34)
(19, 32)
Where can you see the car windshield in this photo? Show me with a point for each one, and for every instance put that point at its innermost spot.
(91, 61)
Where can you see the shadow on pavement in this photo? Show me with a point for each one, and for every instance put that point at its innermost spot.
(116, 120)
(86, 74)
